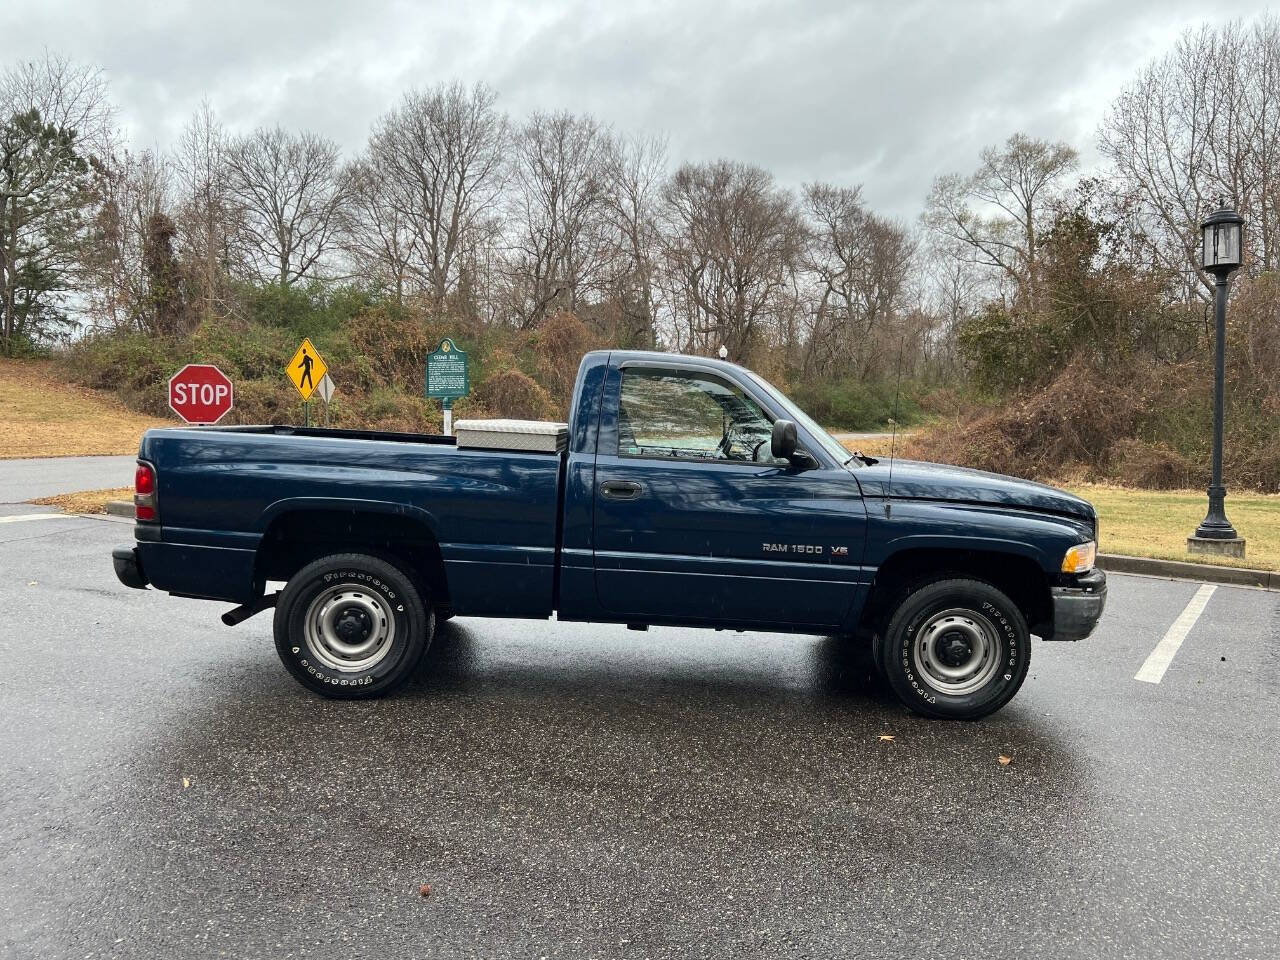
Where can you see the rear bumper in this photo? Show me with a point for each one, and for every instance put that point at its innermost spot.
(1077, 608)
(129, 567)
(188, 570)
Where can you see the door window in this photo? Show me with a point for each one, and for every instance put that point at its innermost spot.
(690, 416)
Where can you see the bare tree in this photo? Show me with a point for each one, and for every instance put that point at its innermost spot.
(206, 212)
(291, 190)
(635, 169)
(733, 241)
(952, 295)
(135, 194)
(995, 215)
(860, 263)
(1199, 125)
(558, 205)
(440, 156)
(55, 124)
(379, 238)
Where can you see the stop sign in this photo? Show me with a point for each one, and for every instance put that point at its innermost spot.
(200, 393)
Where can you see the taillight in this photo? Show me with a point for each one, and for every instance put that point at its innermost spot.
(144, 492)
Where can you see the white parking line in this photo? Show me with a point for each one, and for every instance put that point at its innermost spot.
(1153, 670)
(19, 517)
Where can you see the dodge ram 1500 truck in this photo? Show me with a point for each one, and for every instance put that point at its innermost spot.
(682, 491)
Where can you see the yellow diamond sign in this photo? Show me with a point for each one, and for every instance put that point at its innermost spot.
(307, 369)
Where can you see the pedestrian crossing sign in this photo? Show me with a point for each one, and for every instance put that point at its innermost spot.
(306, 369)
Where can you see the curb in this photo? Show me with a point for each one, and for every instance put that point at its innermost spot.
(120, 508)
(1210, 573)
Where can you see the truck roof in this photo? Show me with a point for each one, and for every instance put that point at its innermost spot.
(622, 356)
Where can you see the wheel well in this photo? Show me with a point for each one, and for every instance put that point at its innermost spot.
(298, 537)
(1019, 578)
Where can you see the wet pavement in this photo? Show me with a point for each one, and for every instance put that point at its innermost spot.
(22, 480)
(586, 791)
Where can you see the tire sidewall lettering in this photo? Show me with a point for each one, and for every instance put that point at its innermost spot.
(357, 578)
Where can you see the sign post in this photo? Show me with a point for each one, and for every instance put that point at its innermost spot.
(305, 371)
(201, 393)
(448, 377)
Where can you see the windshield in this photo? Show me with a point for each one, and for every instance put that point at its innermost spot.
(802, 419)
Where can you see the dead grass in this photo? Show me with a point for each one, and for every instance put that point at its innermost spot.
(872, 444)
(42, 416)
(87, 501)
(1156, 523)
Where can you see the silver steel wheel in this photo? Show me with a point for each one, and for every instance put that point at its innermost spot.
(957, 651)
(348, 628)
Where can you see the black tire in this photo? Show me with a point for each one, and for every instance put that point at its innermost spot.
(352, 626)
(957, 649)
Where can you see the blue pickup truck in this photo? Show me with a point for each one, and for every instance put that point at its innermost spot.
(682, 491)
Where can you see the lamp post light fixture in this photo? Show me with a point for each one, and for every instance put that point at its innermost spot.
(1220, 255)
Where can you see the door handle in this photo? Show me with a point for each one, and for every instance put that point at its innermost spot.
(621, 489)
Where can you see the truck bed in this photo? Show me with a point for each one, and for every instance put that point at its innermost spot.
(492, 514)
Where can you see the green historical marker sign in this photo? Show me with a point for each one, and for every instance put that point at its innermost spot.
(447, 373)
(448, 377)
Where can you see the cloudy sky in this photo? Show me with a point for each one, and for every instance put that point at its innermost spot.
(884, 94)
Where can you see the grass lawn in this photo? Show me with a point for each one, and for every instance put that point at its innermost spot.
(1156, 523)
(40, 416)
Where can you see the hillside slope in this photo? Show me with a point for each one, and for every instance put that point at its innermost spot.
(43, 416)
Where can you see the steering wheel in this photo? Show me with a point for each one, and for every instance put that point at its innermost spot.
(755, 451)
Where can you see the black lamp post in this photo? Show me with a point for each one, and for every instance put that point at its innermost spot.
(1220, 256)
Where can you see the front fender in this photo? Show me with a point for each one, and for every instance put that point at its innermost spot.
(916, 524)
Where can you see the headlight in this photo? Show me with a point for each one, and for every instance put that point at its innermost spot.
(1080, 558)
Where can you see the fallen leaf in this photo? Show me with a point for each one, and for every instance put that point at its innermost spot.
(425, 889)
(886, 737)
(33, 583)
(186, 784)
(1005, 761)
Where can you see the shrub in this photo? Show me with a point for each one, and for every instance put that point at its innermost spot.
(560, 342)
(514, 394)
(858, 405)
(243, 352)
(134, 366)
(310, 310)
(1155, 466)
(266, 401)
(1142, 424)
(388, 346)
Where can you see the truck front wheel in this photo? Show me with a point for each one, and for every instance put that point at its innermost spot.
(957, 649)
(352, 626)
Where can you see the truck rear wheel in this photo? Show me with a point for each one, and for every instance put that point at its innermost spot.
(957, 649)
(352, 626)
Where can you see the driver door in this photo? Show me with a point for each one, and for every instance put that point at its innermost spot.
(696, 521)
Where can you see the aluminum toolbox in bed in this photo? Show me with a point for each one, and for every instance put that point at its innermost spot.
(534, 436)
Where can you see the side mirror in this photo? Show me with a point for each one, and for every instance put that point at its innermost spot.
(783, 442)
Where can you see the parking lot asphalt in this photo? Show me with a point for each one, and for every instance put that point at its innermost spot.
(22, 480)
(585, 791)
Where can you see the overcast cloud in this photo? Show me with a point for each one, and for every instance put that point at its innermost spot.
(884, 94)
